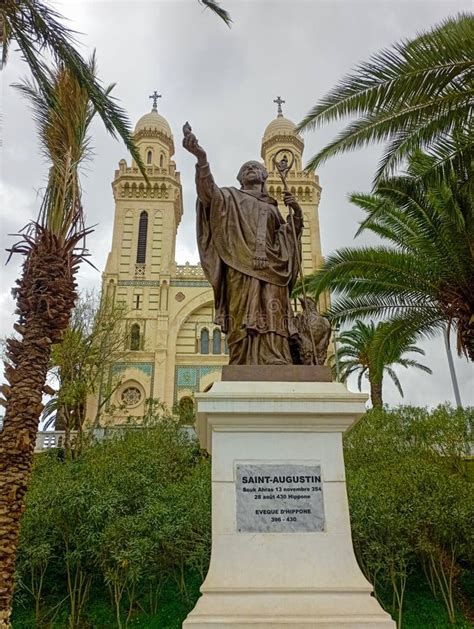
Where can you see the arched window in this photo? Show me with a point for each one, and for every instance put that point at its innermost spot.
(216, 342)
(149, 157)
(135, 337)
(204, 341)
(161, 160)
(142, 234)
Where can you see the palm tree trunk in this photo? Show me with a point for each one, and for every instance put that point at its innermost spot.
(45, 297)
(466, 333)
(376, 393)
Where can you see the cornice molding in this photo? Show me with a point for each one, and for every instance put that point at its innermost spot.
(282, 139)
(157, 134)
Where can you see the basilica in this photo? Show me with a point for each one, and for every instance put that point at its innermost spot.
(173, 347)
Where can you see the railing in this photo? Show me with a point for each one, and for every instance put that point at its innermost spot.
(45, 440)
(150, 170)
(189, 270)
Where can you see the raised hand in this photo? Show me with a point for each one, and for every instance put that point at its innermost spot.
(191, 144)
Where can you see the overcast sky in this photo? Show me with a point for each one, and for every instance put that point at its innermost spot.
(223, 81)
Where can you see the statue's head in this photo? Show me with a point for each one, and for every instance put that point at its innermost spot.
(251, 173)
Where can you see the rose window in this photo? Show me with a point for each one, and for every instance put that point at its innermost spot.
(131, 396)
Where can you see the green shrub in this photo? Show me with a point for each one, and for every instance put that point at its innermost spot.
(129, 514)
(412, 505)
(121, 535)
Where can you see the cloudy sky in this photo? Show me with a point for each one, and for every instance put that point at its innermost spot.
(223, 81)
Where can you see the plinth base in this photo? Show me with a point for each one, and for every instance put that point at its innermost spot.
(288, 610)
(286, 559)
(276, 373)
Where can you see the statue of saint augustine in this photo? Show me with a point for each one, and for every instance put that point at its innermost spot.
(250, 256)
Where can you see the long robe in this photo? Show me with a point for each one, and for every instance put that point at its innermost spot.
(249, 256)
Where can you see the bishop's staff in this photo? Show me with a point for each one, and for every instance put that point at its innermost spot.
(283, 167)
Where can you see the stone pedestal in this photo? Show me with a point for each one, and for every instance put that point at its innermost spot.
(271, 573)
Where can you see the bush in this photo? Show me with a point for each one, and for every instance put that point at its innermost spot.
(411, 503)
(121, 535)
(129, 514)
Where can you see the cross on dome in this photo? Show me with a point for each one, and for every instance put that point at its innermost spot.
(278, 100)
(155, 97)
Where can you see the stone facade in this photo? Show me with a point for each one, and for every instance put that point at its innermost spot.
(175, 349)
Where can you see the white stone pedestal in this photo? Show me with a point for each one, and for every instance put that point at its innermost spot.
(281, 580)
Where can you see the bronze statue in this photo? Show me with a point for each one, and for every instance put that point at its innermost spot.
(251, 257)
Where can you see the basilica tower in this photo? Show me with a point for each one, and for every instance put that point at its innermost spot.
(152, 210)
(281, 135)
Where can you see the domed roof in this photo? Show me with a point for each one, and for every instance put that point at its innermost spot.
(153, 120)
(280, 126)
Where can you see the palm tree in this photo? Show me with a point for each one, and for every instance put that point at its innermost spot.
(417, 94)
(359, 350)
(423, 278)
(53, 248)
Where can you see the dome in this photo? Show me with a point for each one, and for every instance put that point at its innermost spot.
(280, 126)
(153, 120)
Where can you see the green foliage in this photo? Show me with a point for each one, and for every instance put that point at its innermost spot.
(37, 28)
(93, 341)
(417, 94)
(411, 504)
(185, 409)
(422, 279)
(214, 6)
(123, 519)
(359, 350)
(63, 117)
(421, 609)
(120, 536)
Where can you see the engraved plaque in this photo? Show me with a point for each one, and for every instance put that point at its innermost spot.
(279, 498)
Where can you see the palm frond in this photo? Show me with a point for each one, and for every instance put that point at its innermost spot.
(412, 94)
(214, 6)
(410, 128)
(5, 39)
(413, 363)
(395, 380)
(387, 273)
(34, 26)
(374, 349)
(432, 133)
(63, 121)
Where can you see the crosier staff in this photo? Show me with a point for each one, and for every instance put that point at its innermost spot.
(283, 168)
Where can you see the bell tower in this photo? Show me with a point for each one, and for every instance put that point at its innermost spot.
(147, 215)
(279, 135)
(142, 258)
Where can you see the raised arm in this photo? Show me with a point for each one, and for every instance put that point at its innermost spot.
(205, 185)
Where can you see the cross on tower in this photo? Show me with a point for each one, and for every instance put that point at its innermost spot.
(155, 97)
(279, 102)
